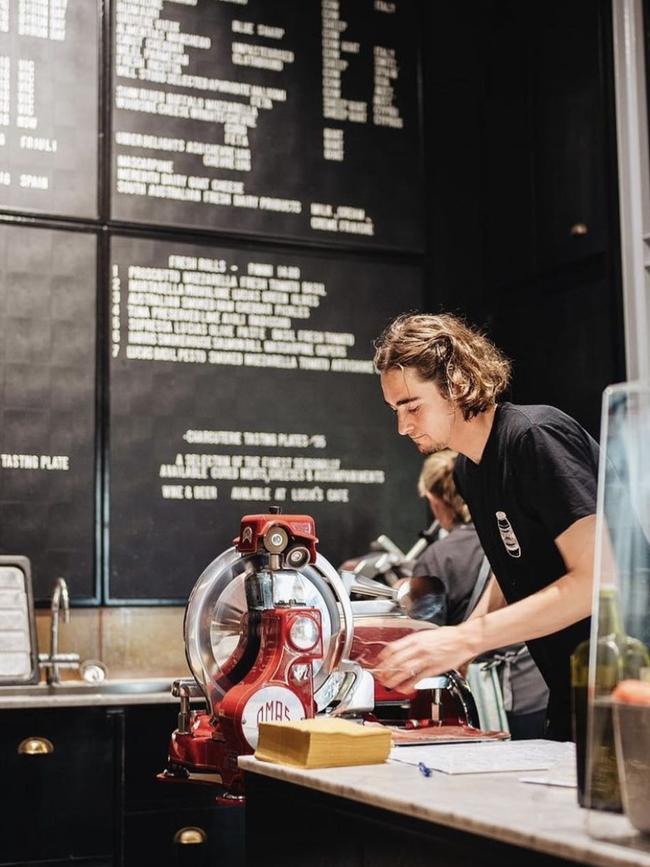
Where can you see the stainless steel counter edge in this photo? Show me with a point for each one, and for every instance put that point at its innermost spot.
(107, 693)
(543, 818)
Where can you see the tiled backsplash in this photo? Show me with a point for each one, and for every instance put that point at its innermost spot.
(130, 641)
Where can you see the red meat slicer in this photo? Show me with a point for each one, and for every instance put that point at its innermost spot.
(271, 635)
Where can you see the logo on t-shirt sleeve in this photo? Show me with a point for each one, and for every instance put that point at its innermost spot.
(507, 534)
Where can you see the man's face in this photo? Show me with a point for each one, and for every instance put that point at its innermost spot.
(423, 414)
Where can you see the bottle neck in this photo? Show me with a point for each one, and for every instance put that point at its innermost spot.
(609, 616)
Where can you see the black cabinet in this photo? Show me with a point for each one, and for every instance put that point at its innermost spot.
(80, 784)
(185, 836)
(171, 824)
(60, 778)
(292, 826)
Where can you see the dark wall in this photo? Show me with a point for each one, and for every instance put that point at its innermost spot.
(520, 124)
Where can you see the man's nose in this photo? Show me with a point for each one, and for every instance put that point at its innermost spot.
(404, 426)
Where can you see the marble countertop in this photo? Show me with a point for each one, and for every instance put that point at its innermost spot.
(495, 805)
(81, 694)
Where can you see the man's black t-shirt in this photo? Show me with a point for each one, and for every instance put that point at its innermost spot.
(537, 476)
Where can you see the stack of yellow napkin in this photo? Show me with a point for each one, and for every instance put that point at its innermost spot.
(322, 743)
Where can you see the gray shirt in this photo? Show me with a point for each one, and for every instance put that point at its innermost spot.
(456, 562)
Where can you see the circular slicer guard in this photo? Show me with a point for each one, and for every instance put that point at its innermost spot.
(215, 616)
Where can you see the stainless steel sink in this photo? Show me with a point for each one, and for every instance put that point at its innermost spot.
(105, 687)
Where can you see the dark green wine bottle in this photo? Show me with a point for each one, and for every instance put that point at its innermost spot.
(618, 656)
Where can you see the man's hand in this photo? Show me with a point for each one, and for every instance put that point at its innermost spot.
(426, 653)
(402, 663)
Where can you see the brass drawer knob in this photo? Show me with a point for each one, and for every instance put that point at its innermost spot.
(35, 747)
(190, 836)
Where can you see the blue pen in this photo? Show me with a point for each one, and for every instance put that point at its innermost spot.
(425, 770)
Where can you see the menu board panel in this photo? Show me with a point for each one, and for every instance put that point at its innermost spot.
(242, 378)
(49, 85)
(47, 412)
(289, 119)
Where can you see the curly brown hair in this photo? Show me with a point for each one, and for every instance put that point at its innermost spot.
(465, 365)
(437, 477)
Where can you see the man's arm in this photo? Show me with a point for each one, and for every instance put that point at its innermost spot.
(562, 603)
(551, 609)
(492, 599)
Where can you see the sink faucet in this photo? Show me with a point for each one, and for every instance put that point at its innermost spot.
(60, 600)
(52, 662)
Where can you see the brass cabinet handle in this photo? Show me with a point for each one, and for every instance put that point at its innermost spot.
(35, 747)
(190, 836)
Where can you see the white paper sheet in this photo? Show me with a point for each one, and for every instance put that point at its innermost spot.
(561, 774)
(487, 757)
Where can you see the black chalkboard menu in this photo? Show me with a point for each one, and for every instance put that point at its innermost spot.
(241, 378)
(47, 413)
(289, 118)
(49, 85)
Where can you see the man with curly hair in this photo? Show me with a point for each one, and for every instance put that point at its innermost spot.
(529, 476)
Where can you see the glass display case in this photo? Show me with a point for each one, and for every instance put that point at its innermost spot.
(611, 675)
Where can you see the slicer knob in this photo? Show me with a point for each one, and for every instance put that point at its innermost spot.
(275, 540)
(297, 556)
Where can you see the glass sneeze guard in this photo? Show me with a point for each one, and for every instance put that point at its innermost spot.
(617, 761)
